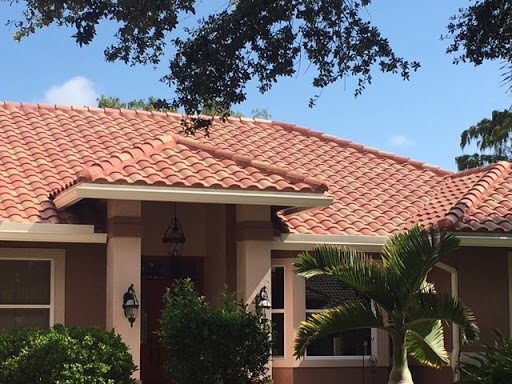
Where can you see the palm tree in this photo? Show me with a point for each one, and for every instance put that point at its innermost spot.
(404, 304)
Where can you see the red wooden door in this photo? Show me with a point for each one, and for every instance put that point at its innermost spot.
(153, 286)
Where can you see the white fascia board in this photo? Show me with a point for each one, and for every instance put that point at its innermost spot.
(188, 195)
(297, 242)
(484, 240)
(50, 233)
(291, 241)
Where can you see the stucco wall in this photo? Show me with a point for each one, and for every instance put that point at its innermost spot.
(352, 375)
(85, 281)
(204, 226)
(483, 287)
(85, 285)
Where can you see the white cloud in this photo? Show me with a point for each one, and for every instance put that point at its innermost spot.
(77, 91)
(401, 141)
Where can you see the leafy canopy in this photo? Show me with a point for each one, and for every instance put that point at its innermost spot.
(213, 60)
(493, 365)
(493, 139)
(64, 355)
(399, 288)
(225, 345)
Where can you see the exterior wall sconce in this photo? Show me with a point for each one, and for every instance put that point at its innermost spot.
(130, 305)
(261, 299)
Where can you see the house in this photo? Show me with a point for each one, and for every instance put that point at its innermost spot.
(86, 195)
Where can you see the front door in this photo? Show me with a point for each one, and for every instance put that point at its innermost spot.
(158, 274)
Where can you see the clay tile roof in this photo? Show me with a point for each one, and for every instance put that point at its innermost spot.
(45, 149)
(183, 162)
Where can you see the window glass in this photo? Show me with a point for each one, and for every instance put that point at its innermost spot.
(277, 300)
(25, 281)
(278, 334)
(25, 291)
(26, 318)
(277, 288)
(323, 292)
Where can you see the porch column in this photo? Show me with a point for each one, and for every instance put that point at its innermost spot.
(124, 227)
(253, 243)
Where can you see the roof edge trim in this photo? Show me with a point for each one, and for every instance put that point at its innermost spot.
(188, 195)
(50, 233)
(484, 240)
(292, 241)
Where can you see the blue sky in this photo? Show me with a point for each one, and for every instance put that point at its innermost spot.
(421, 119)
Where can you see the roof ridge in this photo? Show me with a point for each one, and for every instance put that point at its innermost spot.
(245, 160)
(285, 125)
(494, 173)
(106, 110)
(360, 147)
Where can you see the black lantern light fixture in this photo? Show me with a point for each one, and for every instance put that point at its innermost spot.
(130, 305)
(174, 237)
(261, 299)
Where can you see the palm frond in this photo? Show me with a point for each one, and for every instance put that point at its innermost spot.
(350, 316)
(425, 342)
(431, 306)
(410, 255)
(356, 269)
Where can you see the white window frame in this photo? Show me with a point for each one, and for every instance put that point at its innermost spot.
(373, 342)
(57, 279)
(281, 310)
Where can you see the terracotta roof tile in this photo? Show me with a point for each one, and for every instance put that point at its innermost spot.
(43, 148)
(193, 165)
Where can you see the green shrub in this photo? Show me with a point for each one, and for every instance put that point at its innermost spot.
(209, 345)
(63, 355)
(491, 366)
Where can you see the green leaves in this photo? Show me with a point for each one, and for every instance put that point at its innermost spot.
(356, 269)
(213, 60)
(425, 342)
(493, 140)
(493, 365)
(399, 287)
(443, 307)
(64, 356)
(208, 345)
(350, 316)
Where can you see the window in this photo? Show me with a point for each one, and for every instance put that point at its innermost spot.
(277, 298)
(25, 293)
(324, 292)
(30, 293)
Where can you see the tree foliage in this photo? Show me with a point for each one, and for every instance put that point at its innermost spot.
(213, 61)
(152, 104)
(399, 289)
(493, 139)
(481, 31)
(64, 355)
(226, 345)
(491, 366)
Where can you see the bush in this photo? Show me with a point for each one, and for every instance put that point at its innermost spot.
(209, 345)
(63, 355)
(492, 366)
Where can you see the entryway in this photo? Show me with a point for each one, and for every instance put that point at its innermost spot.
(158, 274)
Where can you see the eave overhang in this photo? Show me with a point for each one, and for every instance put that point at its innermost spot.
(298, 242)
(75, 193)
(50, 233)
